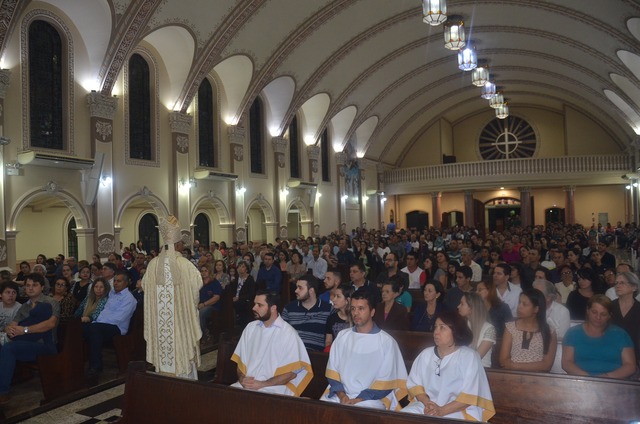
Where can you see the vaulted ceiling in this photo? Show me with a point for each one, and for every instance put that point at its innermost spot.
(370, 70)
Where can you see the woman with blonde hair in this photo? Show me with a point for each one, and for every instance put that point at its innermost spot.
(472, 308)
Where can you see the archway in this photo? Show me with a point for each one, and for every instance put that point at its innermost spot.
(202, 229)
(130, 215)
(259, 214)
(297, 214)
(553, 215)
(148, 233)
(418, 220)
(502, 213)
(47, 211)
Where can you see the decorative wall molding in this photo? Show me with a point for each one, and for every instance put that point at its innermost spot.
(102, 106)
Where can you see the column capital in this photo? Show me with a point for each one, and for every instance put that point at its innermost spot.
(280, 144)
(341, 158)
(436, 194)
(84, 231)
(11, 234)
(5, 79)
(313, 152)
(236, 134)
(569, 188)
(469, 192)
(524, 189)
(102, 105)
(180, 122)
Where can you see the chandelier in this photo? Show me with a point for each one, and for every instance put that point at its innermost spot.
(434, 11)
(480, 76)
(454, 36)
(497, 101)
(502, 111)
(467, 58)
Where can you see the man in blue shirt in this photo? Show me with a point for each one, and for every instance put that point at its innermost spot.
(113, 320)
(270, 275)
(308, 314)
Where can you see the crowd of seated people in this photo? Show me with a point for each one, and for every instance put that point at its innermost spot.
(489, 280)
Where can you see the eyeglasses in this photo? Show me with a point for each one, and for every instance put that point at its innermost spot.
(61, 285)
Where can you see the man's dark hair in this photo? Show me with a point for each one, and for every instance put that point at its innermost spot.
(9, 285)
(111, 265)
(466, 271)
(36, 278)
(126, 276)
(412, 254)
(360, 266)
(336, 274)
(272, 298)
(506, 268)
(270, 254)
(366, 295)
(312, 282)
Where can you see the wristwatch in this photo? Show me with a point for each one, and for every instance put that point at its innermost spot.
(26, 330)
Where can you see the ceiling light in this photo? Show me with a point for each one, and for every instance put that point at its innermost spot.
(497, 100)
(454, 36)
(467, 58)
(480, 76)
(434, 12)
(502, 111)
(488, 90)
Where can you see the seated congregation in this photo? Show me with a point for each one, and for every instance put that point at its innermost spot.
(367, 325)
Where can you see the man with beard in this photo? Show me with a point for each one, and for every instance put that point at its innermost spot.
(270, 355)
(308, 314)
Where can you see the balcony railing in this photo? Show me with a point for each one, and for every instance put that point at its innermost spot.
(567, 169)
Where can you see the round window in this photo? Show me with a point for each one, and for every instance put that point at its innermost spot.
(509, 138)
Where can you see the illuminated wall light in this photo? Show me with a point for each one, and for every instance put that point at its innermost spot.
(284, 192)
(628, 187)
(241, 190)
(344, 198)
(105, 181)
(274, 131)
(635, 184)
(365, 198)
(384, 199)
(318, 195)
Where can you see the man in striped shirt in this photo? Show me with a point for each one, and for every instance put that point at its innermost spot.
(308, 314)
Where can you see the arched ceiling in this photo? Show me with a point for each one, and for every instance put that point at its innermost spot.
(377, 58)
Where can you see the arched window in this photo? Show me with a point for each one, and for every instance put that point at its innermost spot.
(139, 108)
(72, 239)
(201, 230)
(148, 232)
(45, 87)
(256, 137)
(294, 149)
(206, 139)
(324, 151)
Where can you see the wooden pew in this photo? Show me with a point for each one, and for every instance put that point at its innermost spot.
(192, 401)
(550, 398)
(62, 373)
(223, 320)
(131, 346)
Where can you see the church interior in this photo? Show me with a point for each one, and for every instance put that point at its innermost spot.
(250, 120)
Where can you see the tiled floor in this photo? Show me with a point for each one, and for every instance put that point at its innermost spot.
(102, 406)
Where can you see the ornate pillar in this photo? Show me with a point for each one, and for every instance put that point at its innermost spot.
(280, 148)
(469, 213)
(341, 161)
(10, 243)
(525, 206)
(272, 231)
(180, 192)
(236, 135)
(313, 153)
(5, 254)
(436, 208)
(570, 206)
(102, 109)
(380, 203)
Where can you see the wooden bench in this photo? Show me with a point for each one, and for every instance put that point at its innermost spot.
(131, 346)
(517, 396)
(62, 373)
(223, 321)
(198, 402)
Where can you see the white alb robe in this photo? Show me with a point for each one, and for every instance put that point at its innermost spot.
(266, 352)
(462, 378)
(363, 361)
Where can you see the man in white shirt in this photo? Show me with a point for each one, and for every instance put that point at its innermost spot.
(316, 264)
(508, 292)
(413, 270)
(466, 258)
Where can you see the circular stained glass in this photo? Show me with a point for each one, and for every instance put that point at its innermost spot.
(509, 138)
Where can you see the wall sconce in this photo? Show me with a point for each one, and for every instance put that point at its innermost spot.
(241, 190)
(344, 198)
(365, 198)
(384, 199)
(105, 181)
(284, 192)
(184, 185)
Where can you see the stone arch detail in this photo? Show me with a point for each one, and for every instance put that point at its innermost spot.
(267, 210)
(83, 219)
(305, 216)
(218, 205)
(157, 205)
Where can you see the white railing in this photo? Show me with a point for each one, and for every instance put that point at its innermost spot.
(509, 167)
